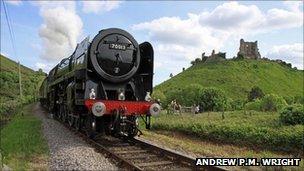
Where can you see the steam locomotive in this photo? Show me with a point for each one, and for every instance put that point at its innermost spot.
(104, 86)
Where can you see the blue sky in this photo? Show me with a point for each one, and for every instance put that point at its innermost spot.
(179, 31)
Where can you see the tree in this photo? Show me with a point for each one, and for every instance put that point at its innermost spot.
(157, 94)
(255, 93)
(197, 60)
(213, 99)
(272, 102)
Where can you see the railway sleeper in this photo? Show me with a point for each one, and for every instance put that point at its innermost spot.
(136, 157)
(122, 148)
(130, 152)
(153, 164)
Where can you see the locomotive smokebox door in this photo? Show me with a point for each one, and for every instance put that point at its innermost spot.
(115, 55)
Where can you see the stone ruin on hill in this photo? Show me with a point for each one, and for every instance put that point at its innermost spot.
(249, 50)
(214, 57)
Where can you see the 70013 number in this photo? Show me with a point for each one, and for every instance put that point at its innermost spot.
(117, 46)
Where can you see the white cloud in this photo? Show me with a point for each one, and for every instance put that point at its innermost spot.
(232, 16)
(99, 6)
(44, 5)
(280, 19)
(179, 39)
(291, 53)
(14, 2)
(243, 18)
(45, 67)
(293, 5)
(176, 39)
(40, 65)
(60, 30)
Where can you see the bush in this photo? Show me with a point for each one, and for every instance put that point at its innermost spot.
(157, 94)
(212, 99)
(289, 100)
(186, 96)
(272, 102)
(292, 115)
(9, 107)
(191, 94)
(255, 93)
(255, 105)
(299, 99)
(237, 104)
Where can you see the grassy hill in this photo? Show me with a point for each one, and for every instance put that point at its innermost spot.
(9, 92)
(236, 78)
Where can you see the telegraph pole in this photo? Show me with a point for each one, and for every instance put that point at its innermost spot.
(20, 83)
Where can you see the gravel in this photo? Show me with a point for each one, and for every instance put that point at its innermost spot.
(68, 151)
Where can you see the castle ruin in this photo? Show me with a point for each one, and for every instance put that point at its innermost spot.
(220, 56)
(249, 50)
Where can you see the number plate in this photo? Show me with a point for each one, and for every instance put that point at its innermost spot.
(117, 46)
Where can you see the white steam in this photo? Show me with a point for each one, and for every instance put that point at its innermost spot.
(59, 32)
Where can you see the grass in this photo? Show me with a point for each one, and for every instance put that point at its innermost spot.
(199, 148)
(22, 144)
(9, 92)
(258, 130)
(236, 78)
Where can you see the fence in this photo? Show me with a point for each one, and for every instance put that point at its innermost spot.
(184, 109)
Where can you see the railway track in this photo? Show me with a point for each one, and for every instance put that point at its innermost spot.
(137, 154)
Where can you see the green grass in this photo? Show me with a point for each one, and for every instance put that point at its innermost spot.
(196, 147)
(236, 78)
(22, 143)
(9, 92)
(260, 130)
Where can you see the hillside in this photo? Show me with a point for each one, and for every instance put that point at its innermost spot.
(236, 78)
(9, 79)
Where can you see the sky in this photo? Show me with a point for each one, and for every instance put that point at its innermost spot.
(46, 32)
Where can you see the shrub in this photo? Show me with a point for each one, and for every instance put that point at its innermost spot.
(299, 99)
(186, 96)
(237, 104)
(292, 115)
(255, 93)
(212, 99)
(255, 105)
(272, 102)
(289, 100)
(191, 94)
(173, 94)
(157, 94)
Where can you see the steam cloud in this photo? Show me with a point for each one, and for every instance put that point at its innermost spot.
(59, 32)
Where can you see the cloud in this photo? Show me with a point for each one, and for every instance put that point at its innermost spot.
(184, 39)
(243, 18)
(232, 15)
(44, 5)
(99, 6)
(14, 2)
(45, 67)
(180, 39)
(291, 53)
(293, 5)
(60, 29)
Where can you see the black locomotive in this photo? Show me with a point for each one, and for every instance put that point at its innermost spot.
(104, 86)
